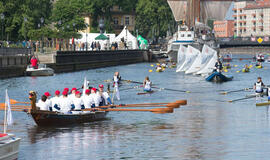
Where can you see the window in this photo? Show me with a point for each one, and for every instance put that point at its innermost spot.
(189, 35)
(240, 17)
(262, 29)
(245, 17)
(254, 16)
(240, 10)
(245, 30)
(127, 20)
(182, 35)
(115, 20)
(254, 23)
(240, 24)
(254, 29)
(235, 18)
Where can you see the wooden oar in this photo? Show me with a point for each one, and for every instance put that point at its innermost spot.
(155, 110)
(17, 107)
(170, 105)
(180, 102)
(241, 99)
(263, 104)
(13, 101)
(245, 89)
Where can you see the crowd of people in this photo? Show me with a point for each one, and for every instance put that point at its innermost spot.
(70, 102)
(74, 101)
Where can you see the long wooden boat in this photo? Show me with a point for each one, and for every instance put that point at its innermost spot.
(48, 118)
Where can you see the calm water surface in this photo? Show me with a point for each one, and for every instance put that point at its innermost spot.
(208, 128)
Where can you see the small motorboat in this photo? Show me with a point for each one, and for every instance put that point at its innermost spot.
(9, 146)
(218, 77)
(42, 70)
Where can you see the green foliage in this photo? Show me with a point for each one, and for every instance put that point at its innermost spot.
(65, 17)
(23, 16)
(153, 18)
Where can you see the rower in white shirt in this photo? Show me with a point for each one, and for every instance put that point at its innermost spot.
(42, 103)
(94, 98)
(87, 101)
(77, 101)
(72, 95)
(48, 101)
(55, 101)
(66, 104)
(104, 97)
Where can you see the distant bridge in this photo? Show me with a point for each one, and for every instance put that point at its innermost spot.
(244, 42)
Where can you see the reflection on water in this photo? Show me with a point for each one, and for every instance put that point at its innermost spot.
(207, 128)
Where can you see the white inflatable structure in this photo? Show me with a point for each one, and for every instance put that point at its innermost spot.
(181, 56)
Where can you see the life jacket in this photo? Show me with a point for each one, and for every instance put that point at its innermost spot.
(259, 88)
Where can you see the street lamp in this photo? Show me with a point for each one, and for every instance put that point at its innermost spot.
(86, 45)
(2, 16)
(42, 21)
(25, 20)
(74, 47)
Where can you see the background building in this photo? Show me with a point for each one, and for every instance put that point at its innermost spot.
(120, 19)
(252, 18)
(224, 28)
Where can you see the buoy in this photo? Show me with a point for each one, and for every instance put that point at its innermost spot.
(150, 70)
(235, 65)
(152, 65)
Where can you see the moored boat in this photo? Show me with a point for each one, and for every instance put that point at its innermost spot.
(9, 147)
(218, 77)
(42, 70)
(49, 118)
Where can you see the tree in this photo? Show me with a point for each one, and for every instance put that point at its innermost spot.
(153, 18)
(23, 16)
(68, 17)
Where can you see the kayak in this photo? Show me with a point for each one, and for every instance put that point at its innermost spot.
(245, 70)
(148, 92)
(218, 77)
(259, 67)
(159, 70)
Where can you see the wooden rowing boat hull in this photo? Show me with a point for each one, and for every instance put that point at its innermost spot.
(47, 118)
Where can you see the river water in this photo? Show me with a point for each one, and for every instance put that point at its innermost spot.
(208, 128)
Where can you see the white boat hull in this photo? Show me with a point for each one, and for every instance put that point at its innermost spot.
(40, 72)
(9, 147)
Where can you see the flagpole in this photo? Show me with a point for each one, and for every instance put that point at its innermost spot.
(5, 116)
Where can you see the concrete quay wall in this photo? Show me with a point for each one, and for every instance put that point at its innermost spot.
(13, 66)
(69, 61)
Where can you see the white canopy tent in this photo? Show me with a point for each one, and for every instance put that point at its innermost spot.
(131, 41)
(90, 37)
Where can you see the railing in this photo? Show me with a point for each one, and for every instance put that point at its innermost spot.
(15, 51)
